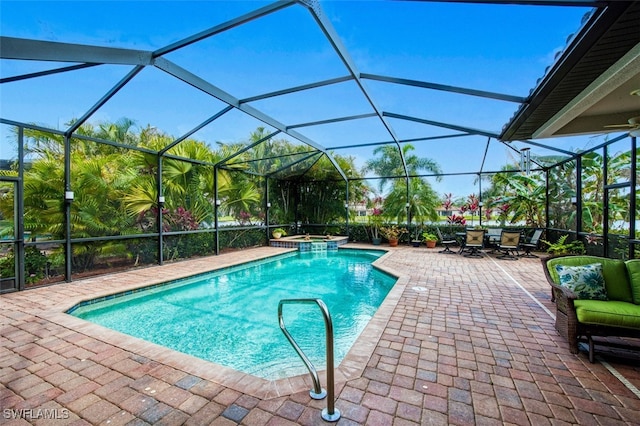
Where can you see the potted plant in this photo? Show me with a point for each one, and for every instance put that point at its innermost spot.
(416, 241)
(392, 233)
(375, 221)
(430, 238)
(278, 233)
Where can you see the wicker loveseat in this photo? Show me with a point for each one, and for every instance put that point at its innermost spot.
(576, 318)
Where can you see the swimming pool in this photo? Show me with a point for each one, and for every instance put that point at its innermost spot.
(230, 316)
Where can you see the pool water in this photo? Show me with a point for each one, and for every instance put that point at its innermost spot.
(230, 317)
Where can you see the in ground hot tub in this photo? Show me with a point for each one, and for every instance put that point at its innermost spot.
(309, 242)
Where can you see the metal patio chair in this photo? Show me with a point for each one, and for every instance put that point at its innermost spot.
(509, 244)
(531, 244)
(474, 242)
(446, 243)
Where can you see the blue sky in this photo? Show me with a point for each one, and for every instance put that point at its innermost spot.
(502, 49)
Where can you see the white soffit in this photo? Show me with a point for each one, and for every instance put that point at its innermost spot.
(598, 94)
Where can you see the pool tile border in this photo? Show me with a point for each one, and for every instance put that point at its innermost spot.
(99, 299)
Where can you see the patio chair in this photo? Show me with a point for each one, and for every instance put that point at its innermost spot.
(474, 242)
(509, 244)
(531, 244)
(446, 243)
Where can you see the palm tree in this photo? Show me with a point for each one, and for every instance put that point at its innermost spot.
(121, 131)
(423, 201)
(388, 164)
(186, 185)
(241, 193)
(98, 179)
(43, 200)
(323, 192)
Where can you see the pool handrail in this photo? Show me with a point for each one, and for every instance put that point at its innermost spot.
(330, 414)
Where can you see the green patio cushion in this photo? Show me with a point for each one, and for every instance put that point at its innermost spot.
(613, 270)
(633, 268)
(610, 312)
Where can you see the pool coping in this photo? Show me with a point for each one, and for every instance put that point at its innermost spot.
(351, 367)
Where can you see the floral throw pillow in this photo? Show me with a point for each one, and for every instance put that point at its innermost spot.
(585, 281)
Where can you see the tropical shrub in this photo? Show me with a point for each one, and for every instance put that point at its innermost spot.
(518, 197)
(238, 239)
(562, 247)
(185, 246)
(455, 219)
(393, 232)
(8, 265)
(35, 264)
(357, 233)
(143, 250)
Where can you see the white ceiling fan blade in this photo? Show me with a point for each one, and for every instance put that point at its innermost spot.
(632, 123)
(620, 126)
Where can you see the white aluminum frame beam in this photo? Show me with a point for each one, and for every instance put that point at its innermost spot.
(445, 88)
(327, 28)
(39, 50)
(206, 87)
(444, 125)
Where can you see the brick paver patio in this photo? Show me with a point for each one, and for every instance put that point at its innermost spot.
(459, 341)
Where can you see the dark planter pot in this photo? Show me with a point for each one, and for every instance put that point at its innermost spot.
(376, 241)
(416, 243)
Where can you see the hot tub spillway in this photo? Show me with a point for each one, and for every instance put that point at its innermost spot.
(318, 246)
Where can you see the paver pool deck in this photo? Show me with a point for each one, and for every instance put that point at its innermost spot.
(458, 341)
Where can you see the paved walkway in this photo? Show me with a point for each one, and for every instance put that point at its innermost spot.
(459, 341)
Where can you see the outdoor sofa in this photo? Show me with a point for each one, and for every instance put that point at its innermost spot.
(595, 296)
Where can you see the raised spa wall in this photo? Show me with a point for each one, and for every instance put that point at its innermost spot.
(298, 241)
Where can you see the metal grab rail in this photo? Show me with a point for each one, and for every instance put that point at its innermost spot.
(330, 414)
